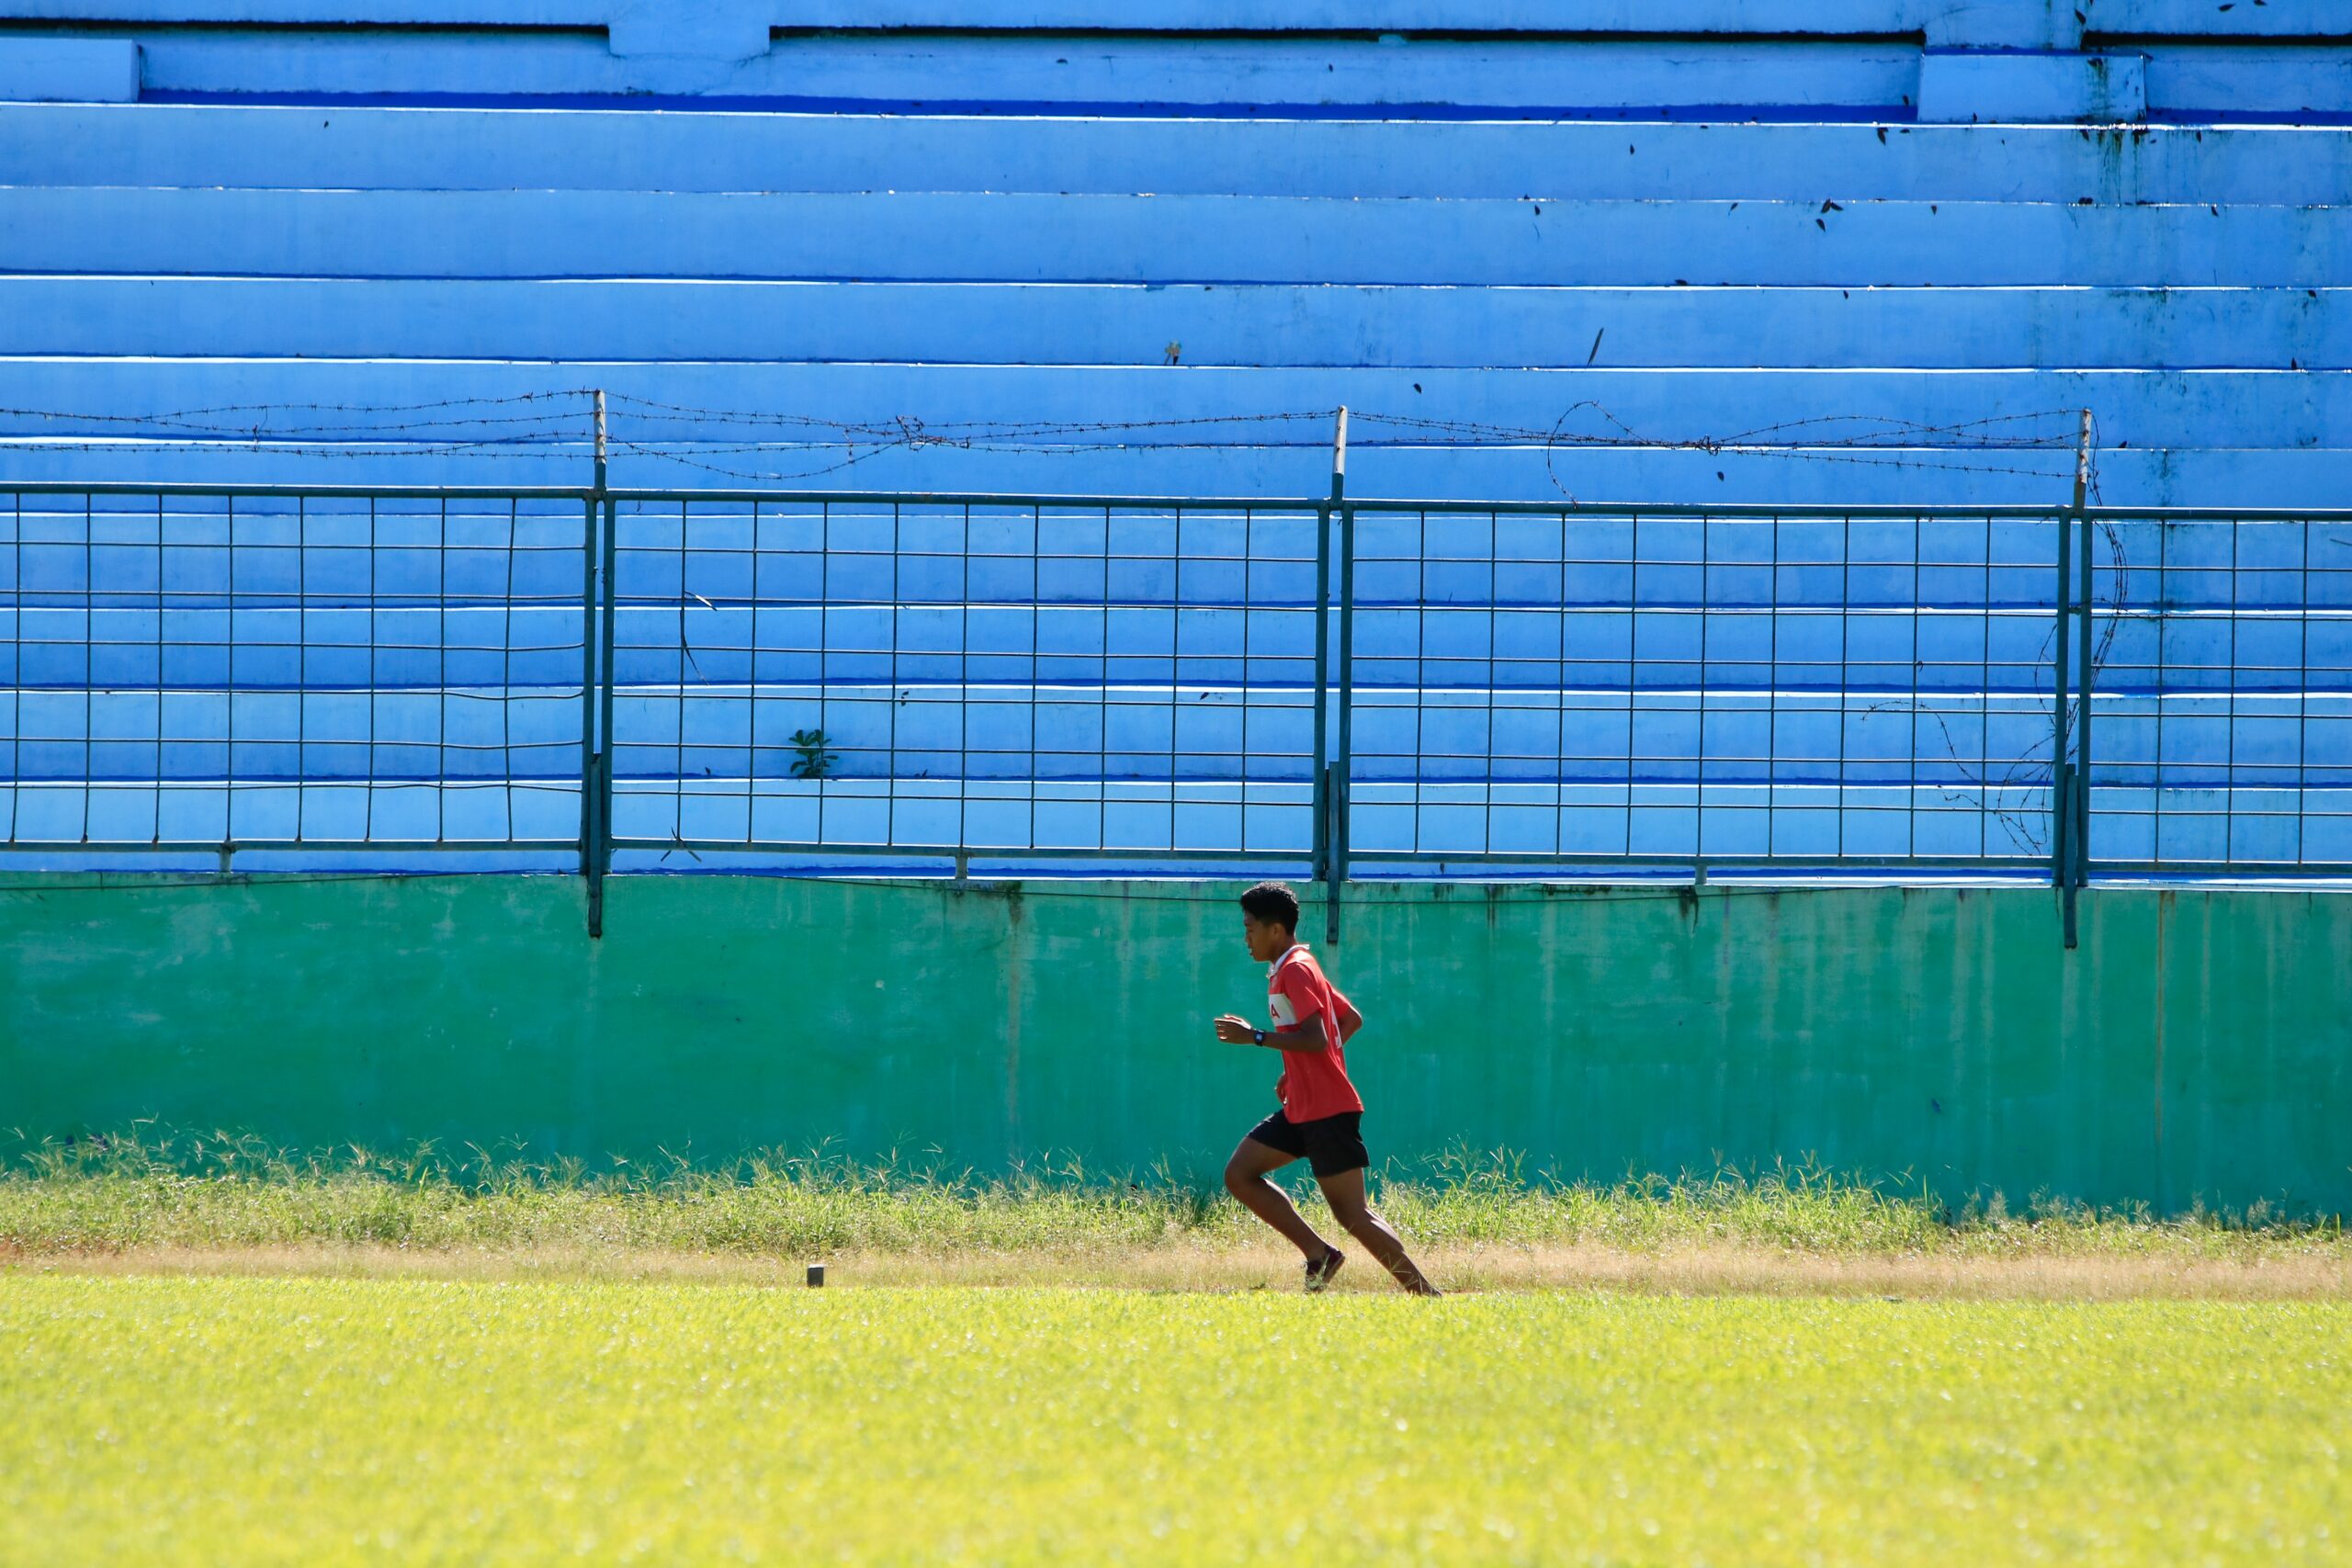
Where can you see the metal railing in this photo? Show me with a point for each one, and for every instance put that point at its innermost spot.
(1321, 687)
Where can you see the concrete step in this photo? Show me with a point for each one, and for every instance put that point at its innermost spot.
(418, 148)
(1023, 70)
(1255, 324)
(1164, 239)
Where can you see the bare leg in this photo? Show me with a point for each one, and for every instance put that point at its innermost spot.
(1244, 1178)
(1345, 1193)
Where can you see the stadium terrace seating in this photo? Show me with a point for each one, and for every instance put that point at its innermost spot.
(1685, 235)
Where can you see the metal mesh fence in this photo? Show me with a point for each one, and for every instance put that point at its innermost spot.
(1542, 685)
(2222, 707)
(1323, 686)
(882, 676)
(200, 670)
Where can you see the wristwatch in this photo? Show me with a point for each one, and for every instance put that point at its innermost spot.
(1257, 1037)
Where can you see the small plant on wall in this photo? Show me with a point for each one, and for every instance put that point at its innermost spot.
(812, 760)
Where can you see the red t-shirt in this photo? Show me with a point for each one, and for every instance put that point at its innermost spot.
(1314, 1083)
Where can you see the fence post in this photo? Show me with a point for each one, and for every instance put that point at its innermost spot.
(1336, 791)
(596, 723)
(2070, 784)
(589, 686)
(2062, 865)
(605, 755)
(2086, 669)
(1320, 783)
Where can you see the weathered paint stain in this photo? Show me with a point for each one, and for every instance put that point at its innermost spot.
(2156, 1106)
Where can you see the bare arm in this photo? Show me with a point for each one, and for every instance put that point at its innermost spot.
(1307, 1036)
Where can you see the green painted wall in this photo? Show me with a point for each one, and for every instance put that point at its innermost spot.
(2194, 1047)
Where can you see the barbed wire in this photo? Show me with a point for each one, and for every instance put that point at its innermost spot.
(1886, 425)
(275, 429)
(353, 450)
(953, 430)
(2023, 827)
(185, 419)
(668, 456)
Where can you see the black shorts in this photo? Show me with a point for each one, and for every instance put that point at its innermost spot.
(1331, 1145)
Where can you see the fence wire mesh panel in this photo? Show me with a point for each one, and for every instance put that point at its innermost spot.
(2221, 732)
(1014, 680)
(196, 670)
(1399, 688)
(1537, 686)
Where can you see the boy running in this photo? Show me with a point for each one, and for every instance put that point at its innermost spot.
(1321, 1114)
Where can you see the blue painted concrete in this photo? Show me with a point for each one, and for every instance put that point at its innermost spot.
(1839, 77)
(1156, 239)
(2015, 60)
(1059, 324)
(2251, 79)
(2002, 87)
(1699, 16)
(39, 70)
(489, 149)
(728, 31)
(2020, 23)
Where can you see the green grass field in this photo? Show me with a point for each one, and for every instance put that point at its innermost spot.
(211, 1351)
(215, 1420)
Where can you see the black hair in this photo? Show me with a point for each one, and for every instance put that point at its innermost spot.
(1273, 903)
